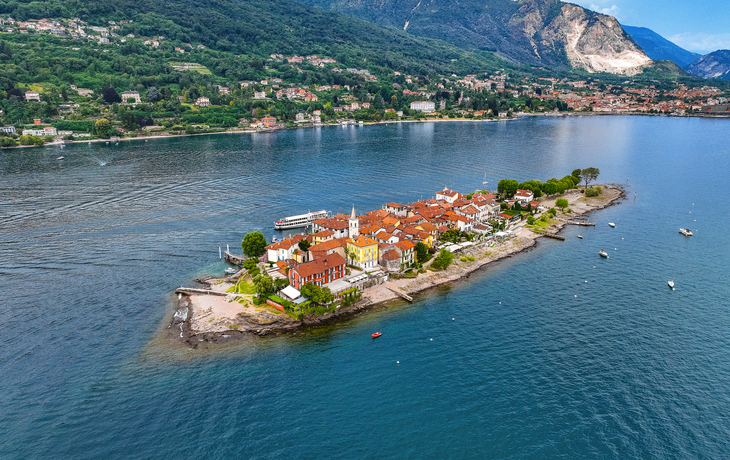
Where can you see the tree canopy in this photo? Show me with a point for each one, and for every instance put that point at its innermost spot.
(507, 187)
(254, 244)
(589, 175)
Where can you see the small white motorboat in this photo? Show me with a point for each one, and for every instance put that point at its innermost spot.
(685, 231)
(579, 236)
(61, 158)
(230, 271)
(603, 253)
(611, 224)
(274, 239)
(671, 284)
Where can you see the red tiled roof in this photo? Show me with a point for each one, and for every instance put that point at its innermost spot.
(320, 265)
(391, 255)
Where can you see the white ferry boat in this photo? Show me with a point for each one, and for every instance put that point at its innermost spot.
(299, 221)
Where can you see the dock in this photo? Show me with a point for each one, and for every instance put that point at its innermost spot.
(233, 259)
(193, 291)
(582, 224)
(554, 236)
(401, 294)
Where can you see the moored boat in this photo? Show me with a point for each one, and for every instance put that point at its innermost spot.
(230, 271)
(603, 253)
(301, 220)
(376, 335)
(579, 236)
(671, 284)
(611, 224)
(685, 231)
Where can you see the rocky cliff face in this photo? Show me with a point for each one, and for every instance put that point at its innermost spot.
(594, 42)
(546, 33)
(713, 65)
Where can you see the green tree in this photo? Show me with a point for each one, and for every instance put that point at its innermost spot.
(530, 220)
(304, 245)
(264, 285)
(102, 126)
(576, 175)
(507, 187)
(589, 175)
(442, 260)
(562, 203)
(249, 264)
(254, 244)
(422, 254)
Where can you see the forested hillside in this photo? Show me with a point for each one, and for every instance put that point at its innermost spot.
(250, 30)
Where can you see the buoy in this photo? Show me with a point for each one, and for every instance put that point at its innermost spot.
(586, 281)
(431, 340)
(452, 319)
(576, 296)
(500, 303)
(397, 362)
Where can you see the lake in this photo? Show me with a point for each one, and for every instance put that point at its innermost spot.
(538, 363)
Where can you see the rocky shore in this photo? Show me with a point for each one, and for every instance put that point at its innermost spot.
(217, 318)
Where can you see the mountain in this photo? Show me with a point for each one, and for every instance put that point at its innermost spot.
(546, 33)
(713, 65)
(262, 27)
(659, 48)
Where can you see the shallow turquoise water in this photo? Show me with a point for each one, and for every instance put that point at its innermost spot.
(89, 256)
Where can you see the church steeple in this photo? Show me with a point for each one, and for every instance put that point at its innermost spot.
(354, 224)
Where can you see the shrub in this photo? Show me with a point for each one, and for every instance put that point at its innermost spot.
(530, 220)
(594, 191)
(442, 260)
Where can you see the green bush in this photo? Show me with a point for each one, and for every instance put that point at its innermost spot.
(442, 260)
(530, 220)
(594, 191)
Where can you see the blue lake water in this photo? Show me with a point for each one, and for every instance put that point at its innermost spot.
(618, 367)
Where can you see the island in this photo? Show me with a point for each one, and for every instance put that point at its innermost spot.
(348, 263)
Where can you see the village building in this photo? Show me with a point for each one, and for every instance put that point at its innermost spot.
(32, 96)
(127, 95)
(318, 271)
(423, 106)
(363, 251)
(203, 102)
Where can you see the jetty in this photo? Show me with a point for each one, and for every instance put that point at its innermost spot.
(582, 224)
(554, 236)
(233, 259)
(401, 294)
(193, 291)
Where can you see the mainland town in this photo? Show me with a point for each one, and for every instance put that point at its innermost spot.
(298, 91)
(347, 262)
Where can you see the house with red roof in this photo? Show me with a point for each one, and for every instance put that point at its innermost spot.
(524, 196)
(319, 271)
(396, 209)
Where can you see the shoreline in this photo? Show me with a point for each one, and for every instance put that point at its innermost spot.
(193, 310)
(374, 123)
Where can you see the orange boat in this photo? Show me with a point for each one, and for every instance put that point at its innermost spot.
(376, 335)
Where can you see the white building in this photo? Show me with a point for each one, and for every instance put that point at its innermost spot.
(131, 95)
(203, 102)
(423, 106)
(447, 195)
(524, 196)
(32, 96)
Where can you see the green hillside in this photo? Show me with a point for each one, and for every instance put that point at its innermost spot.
(255, 29)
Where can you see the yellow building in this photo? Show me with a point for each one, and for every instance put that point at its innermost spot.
(363, 251)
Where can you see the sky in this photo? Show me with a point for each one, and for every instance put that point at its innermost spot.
(695, 25)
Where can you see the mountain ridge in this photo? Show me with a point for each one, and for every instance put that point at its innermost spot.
(547, 33)
(713, 65)
(659, 48)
